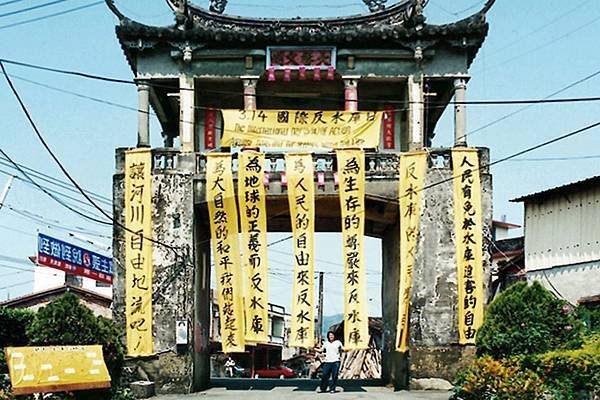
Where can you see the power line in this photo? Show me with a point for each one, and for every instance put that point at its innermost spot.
(557, 158)
(510, 114)
(444, 104)
(58, 193)
(57, 14)
(533, 32)
(544, 45)
(22, 10)
(54, 181)
(6, 3)
(52, 196)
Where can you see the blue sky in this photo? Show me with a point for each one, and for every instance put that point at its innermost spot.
(533, 49)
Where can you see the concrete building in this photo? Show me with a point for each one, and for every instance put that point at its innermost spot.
(387, 59)
(562, 238)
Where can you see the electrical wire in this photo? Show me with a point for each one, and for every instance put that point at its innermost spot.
(57, 14)
(368, 100)
(510, 114)
(6, 3)
(55, 181)
(22, 10)
(58, 193)
(52, 196)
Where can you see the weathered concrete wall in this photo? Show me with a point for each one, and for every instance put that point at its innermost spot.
(434, 351)
(173, 278)
(394, 365)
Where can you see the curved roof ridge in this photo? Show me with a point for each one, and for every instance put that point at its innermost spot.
(399, 11)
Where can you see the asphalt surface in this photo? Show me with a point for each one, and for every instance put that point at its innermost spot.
(296, 389)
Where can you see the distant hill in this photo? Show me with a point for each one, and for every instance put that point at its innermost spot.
(329, 320)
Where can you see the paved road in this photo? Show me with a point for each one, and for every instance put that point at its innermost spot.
(291, 393)
(297, 389)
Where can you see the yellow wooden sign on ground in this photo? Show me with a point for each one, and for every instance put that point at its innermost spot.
(56, 368)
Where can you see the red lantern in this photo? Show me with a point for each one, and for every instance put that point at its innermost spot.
(330, 73)
(287, 74)
(302, 73)
(317, 74)
(271, 74)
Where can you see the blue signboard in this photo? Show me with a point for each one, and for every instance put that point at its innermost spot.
(73, 259)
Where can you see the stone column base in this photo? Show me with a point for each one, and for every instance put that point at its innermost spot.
(441, 362)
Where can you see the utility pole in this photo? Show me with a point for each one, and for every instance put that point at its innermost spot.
(320, 310)
(5, 190)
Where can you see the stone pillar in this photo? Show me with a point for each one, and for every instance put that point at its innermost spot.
(187, 113)
(460, 113)
(143, 139)
(249, 91)
(394, 365)
(202, 304)
(416, 114)
(434, 349)
(351, 93)
(172, 366)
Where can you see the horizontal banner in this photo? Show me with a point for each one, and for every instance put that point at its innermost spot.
(56, 369)
(299, 128)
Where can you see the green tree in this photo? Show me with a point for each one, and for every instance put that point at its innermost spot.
(13, 327)
(66, 321)
(528, 319)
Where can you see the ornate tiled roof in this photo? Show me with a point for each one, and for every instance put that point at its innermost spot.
(397, 25)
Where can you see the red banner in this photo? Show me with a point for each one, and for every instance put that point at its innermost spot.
(210, 128)
(73, 269)
(389, 125)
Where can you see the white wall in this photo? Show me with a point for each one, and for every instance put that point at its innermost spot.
(47, 278)
(563, 230)
(570, 282)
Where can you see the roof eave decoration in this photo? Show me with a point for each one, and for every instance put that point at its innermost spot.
(401, 24)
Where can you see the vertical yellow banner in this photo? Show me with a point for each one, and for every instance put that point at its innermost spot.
(468, 226)
(253, 216)
(301, 197)
(351, 165)
(412, 175)
(222, 212)
(138, 252)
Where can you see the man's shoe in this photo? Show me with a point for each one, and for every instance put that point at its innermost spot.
(332, 391)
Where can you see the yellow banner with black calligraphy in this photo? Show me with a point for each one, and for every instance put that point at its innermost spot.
(468, 227)
(301, 128)
(351, 167)
(138, 252)
(301, 197)
(412, 175)
(222, 212)
(253, 216)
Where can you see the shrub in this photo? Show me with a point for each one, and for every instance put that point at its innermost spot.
(489, 379)
(528, 319)
(13, 325)
(65, 321)
(569, 374)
